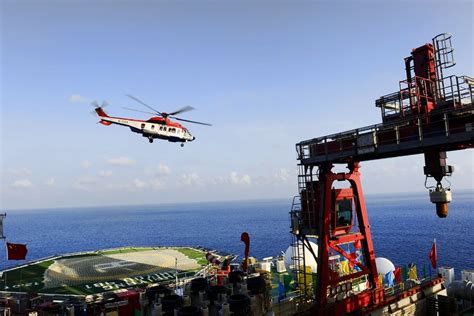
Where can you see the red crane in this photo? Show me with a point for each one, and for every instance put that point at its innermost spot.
(430, 114)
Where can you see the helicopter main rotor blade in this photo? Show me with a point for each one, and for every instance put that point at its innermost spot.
(182, 110)
(130, 109)
(143, 103)
(195, 122)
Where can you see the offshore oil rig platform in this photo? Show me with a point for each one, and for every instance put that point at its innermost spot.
(430, 114)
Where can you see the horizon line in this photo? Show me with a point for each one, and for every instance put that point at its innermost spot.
(385, 194)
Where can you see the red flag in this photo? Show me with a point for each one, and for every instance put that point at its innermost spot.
(433, 255)
(16, 251)
(398, 275)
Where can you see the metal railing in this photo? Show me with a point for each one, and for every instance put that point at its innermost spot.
(455, 91)
(366, 139)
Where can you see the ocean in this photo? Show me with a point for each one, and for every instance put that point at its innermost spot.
(403, 228)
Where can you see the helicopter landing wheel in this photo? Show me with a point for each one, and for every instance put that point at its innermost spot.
(182, 144)
(150, 140)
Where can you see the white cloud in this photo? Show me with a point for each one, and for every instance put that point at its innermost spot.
(245, 179)
(121, 161)
(86, 183)
(235, 178)
(86, 164)
(283, 175)
(161, 170)
(138, 184)
(50, 182)
(19, 172)
(77, 98)
(25, 183)
(218, 180)
(191, 179)
(105, 173)
(92, 183)
(156, 184)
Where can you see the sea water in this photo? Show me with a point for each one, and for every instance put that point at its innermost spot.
(403, 228)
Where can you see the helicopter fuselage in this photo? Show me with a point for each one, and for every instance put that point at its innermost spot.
(155, 127)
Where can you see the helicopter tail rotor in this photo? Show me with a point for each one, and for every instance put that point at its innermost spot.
(98, 109)
(96, 105)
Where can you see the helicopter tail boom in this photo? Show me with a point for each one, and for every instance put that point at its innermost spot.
(101, 112)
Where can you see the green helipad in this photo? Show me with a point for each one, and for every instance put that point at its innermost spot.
(101, 271)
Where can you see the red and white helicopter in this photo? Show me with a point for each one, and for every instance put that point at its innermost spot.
(160, 126)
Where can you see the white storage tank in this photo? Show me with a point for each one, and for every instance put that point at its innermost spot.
(309, 259)
(384, 266)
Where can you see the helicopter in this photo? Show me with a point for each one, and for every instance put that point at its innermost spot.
(159, 126)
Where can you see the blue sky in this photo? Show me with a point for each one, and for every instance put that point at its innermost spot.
(266, 74)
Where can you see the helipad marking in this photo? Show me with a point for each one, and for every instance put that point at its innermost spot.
(103, 267)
